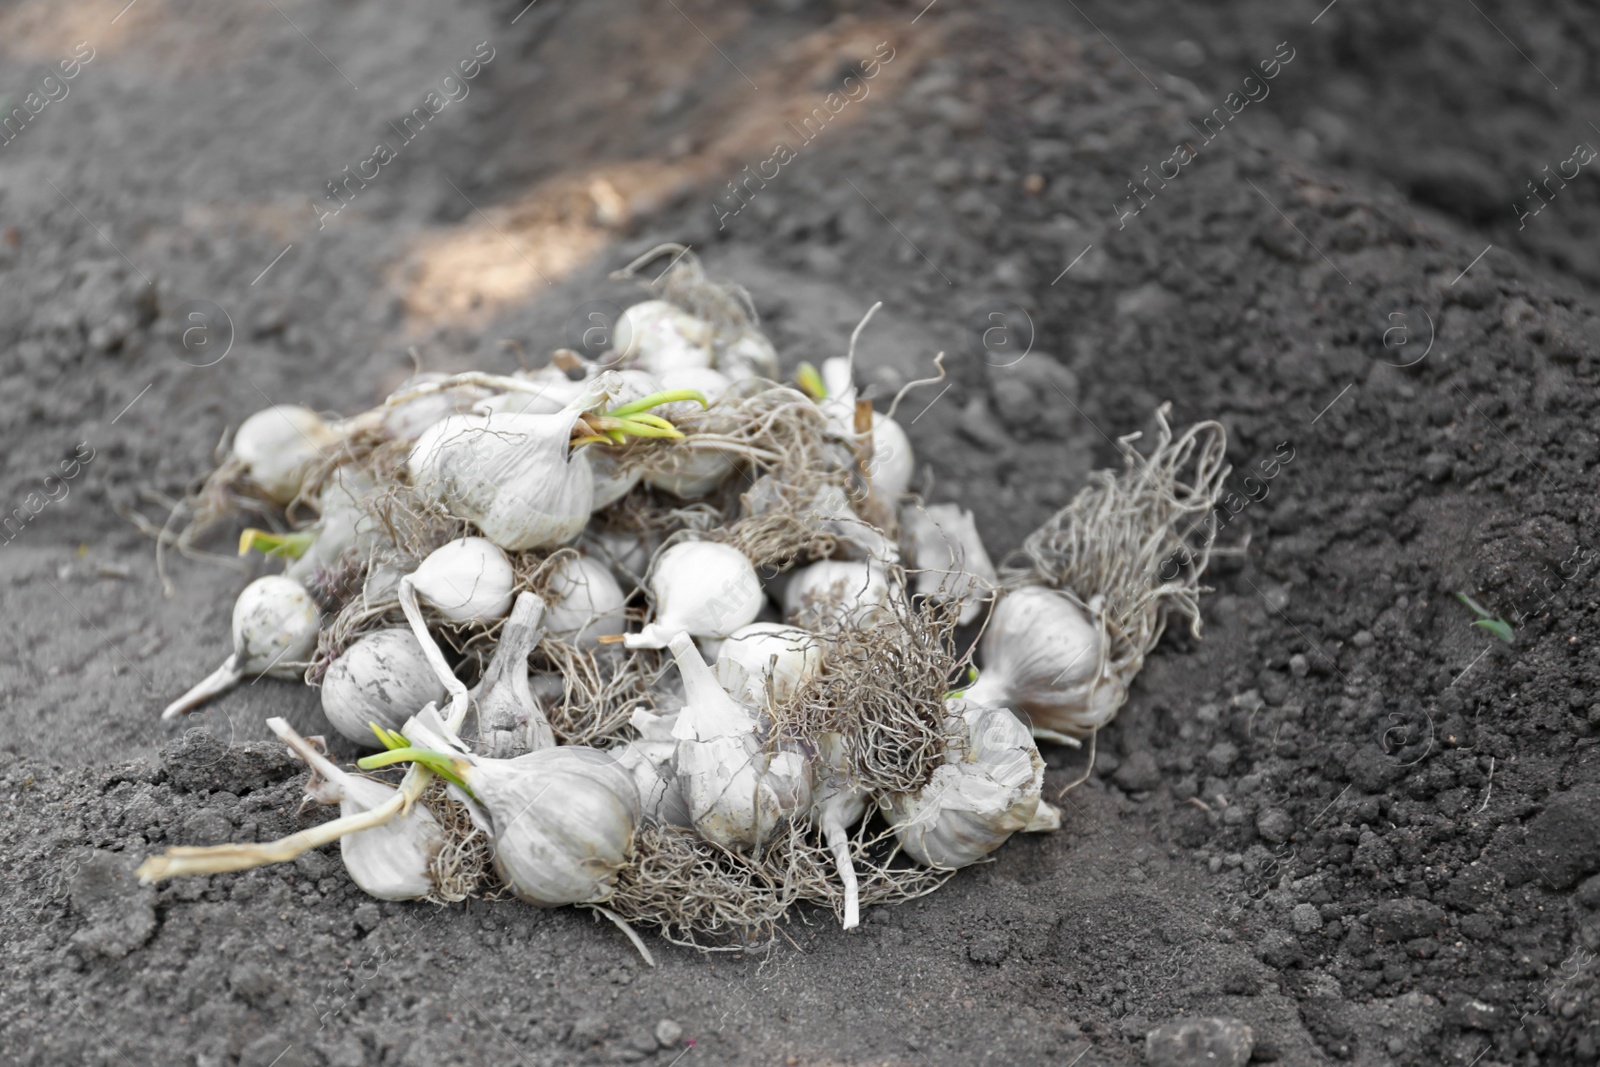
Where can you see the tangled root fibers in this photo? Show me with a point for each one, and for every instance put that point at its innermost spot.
(1121, 535)
(463, 867)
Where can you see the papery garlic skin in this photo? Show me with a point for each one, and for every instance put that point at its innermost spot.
(407, 420)
(660, 793)
(1045, 658)
(626, 554)
(275, 624)
(511, 720)
(468, 580)
(658, 336)
(835, 593)
(702, 588)
(384, 678)
(515, 476)
(612, 480)
(767, 658)
(891, 464)
(950, 557)
(344, 528)
(279, 445)
(585, 602)
(976, 800)
(391, 861)
(750, 355)
(739, 792)
(688, 472)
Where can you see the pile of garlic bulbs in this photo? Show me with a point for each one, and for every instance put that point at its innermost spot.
(663, 636)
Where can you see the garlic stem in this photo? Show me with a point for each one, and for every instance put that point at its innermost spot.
(307, 752)
(216, 859)
(838, 839)
(459, 698)
(218, 681)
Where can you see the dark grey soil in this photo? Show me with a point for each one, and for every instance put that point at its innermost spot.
(1347, 817)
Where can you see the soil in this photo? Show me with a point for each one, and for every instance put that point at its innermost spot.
(1347, 816)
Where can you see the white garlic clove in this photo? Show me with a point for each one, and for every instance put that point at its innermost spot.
(278, 445)
(275, 624)
(511, 720)
(950, 556)
(767, 658)
(468, 580)
(986, 792)
(1044, 657)
(834, 593)
(385, 678)
(586, 603)
(702, 588)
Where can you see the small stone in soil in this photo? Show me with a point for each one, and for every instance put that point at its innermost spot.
(1193, 1042)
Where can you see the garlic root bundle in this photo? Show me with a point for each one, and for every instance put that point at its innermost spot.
(275, 627)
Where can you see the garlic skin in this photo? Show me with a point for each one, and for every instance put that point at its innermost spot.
(343, 528)
(891, 464)
(384, 678)
(835, 593)
(514, 475)
(612, 481)
(275, 624)
(562, 819)
(657, 336)
(389, 862)
(656, 778)
(511, 721)
(468, 580)
(555, 392)
(586, 603)
(278, 445)
(750, 355)
(738, 792)
(766, 658)
(977, 799)
(702, 588)
(687, 472)
(946, 549)
(1044, 658)
(627, 554)
(407, 420)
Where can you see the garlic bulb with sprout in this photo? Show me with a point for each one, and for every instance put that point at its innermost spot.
(709, 383)
(383, 678)
(738, 790)
(275, 624)
(585, 603)
(468, 580)
(657, 336)
(950, 557)
(1044, 657)
(702, 588)
(514, 475)
(562, 819)
(988, 789)
(279, 445)
(511, 720)
(767, 658)
(840, 804)
(344, 528)
(392, 861)
(835, 593)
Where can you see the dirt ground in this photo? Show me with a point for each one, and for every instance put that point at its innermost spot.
(1347, 817)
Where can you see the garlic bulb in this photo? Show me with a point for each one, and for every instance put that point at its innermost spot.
(750, 355)
(278, 445)
(767, 658)
(657, 336)
(1044, 658)
(950, 556)
(384, 678)
(562, 819)
(988, 789)
(275, 624)
(555, 390)
(407, 420)
(835, 593)
(709, 383)
(344, 528)
(687, 471)
(627, 554)
(889, 468)
(510, 718)
(660, 792)
(702, 588)
(612, 480)
(468, 580)
(586, 603)
(513, 475)
(738, 790)
(391, 861)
